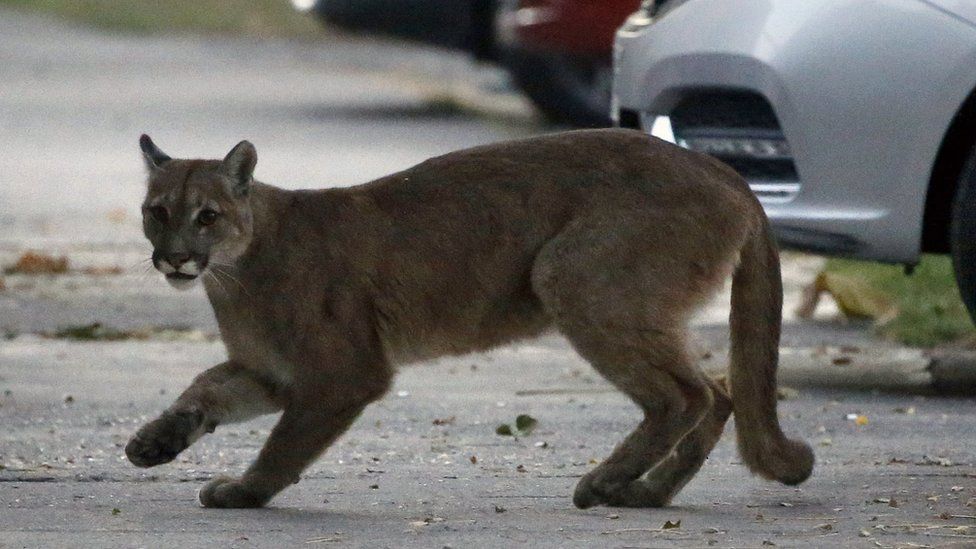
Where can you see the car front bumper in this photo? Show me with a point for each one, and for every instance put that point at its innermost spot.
(861, 93)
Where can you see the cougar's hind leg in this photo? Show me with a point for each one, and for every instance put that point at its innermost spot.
(627, 318)
(665, 480)
(673, 404)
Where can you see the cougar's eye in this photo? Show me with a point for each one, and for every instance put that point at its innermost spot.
(207, 217)
(159, 213)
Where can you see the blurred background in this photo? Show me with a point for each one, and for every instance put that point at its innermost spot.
(335, 93)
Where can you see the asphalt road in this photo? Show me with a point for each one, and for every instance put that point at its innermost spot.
(423, 467)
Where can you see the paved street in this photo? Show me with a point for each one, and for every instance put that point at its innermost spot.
(423, 467)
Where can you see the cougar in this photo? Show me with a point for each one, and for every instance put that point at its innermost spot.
(611, 237)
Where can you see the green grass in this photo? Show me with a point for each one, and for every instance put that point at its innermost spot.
(930, 309)
(254, 18)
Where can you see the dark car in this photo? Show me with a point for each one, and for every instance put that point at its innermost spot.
(558, 51)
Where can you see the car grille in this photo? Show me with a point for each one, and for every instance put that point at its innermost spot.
(741, 129)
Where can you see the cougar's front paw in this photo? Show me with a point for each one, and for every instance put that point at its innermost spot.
(161, 440)
(230, 493)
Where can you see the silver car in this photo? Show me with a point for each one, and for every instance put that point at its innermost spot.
(854, 121)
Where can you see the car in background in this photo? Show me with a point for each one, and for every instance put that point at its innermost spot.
(558, 51)
(853, 122)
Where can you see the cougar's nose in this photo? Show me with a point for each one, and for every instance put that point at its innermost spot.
(178, 259)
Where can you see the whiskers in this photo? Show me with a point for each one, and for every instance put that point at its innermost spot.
(218, 272)
(143, 269)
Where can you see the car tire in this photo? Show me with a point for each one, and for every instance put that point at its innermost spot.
(566, 89)
(962, 234)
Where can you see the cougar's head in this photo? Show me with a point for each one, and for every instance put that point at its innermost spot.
(196, 213)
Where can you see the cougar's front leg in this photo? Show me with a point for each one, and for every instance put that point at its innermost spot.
(226, 393)
(318, 412)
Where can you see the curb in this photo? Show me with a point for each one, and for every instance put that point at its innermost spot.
(912, 371)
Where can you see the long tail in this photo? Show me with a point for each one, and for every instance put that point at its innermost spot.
(757, 301)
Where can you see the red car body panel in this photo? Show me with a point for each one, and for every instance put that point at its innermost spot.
(579, 27)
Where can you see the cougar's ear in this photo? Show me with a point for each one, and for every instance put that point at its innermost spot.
(239, 166)
(154, 157)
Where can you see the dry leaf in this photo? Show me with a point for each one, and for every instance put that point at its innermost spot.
(854, 297)
(118, 215)
(33, 263)
(102, 271)
(786, 393)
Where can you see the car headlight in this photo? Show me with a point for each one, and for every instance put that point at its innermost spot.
(641, 18)
(649, 11)
(303, 5)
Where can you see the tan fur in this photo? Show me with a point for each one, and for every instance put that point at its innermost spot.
(610, 236)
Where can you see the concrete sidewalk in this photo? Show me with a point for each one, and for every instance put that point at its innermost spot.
(424, 467)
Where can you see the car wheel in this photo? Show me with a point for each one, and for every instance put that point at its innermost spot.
(962, 234)
(567, 89)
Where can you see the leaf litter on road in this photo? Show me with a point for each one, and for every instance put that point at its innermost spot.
(524, 424)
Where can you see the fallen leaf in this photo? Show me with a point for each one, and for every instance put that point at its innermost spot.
(117, 215)
(500, 509)
(940, 461)
(841, 361)
(116, 511)
(525, 423)
(861, 420)
(854, 297)
(102, 271)
(33, 263)
(91, 332)
(786, 393)
(668, 525)
(473, 459)
(445, 421)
